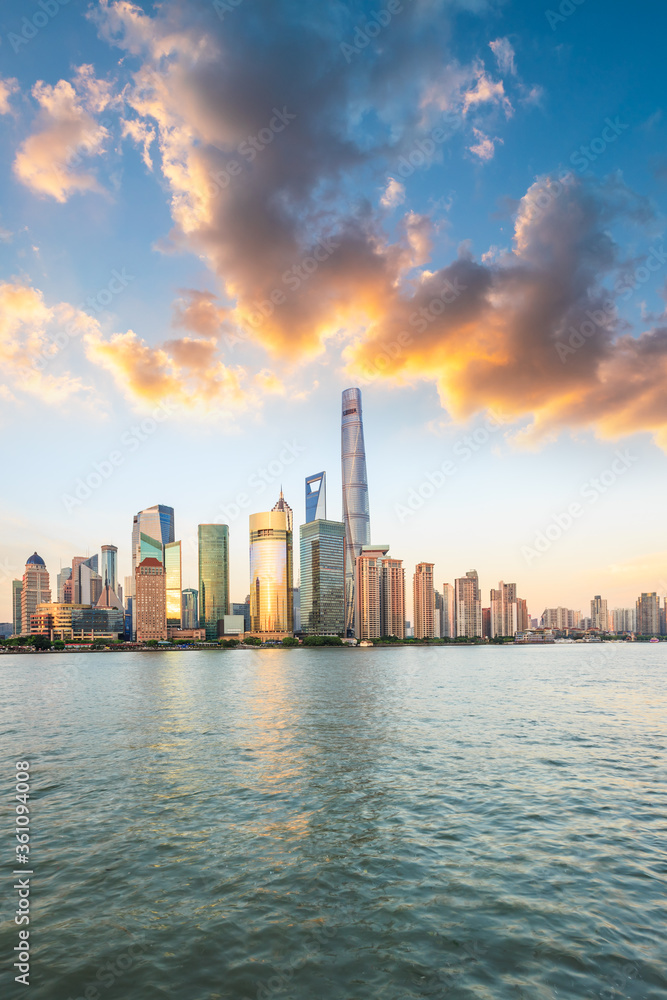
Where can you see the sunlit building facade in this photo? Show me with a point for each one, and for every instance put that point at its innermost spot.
(424, 601)
(648, 614)
(368, 591)
(36, 590)
(448, 621)
(77, 622)
(152, 529)
(173, 572)
(322, 596)
(150, 600)
(392, 598)
(356, 510)
(271, 572)
(213, 577)
(504, 613)
(599, 614)
(468, 606)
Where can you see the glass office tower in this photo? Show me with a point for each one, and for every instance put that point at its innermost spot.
(190, 616)
(322, 545)
(109, 570)
(271, 609)
(356, 514)
(213, 576)
(172, 566)
(316, 497)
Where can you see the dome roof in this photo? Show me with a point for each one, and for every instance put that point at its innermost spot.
(35, 560)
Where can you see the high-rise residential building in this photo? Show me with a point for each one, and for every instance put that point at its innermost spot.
(316, 497)
(62, 578)
(468, 605)
(356, 511)
(68, 591)
(213, 577)
(648, 614)
(623, 619)
(173, 574)
(562, 619)
(322, 549)
(448, 611)
(599, 614)
(368, 591)
(271, 573)
(522, 616)
(424, 601)
(17, 613)
(437, 615)
(486, 623)
(190, 609)
(504, 618)
(152, 529)
(150, 598)
(36, 590)
(109, 568)
(392, 598)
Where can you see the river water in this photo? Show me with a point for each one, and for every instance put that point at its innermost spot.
(385, 823)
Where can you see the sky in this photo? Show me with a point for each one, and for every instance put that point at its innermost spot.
(214, 217)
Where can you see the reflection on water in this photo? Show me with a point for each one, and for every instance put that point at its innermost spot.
(344, 824)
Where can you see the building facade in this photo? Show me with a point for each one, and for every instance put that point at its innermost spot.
(150, 599)
(64, 575)
(271, 572)
(623, 619)
(322, 591)
(152, 529)
(599, 614)
(648, 614)
(368, 591)
(174, 584)
(316, 497)
(392, 598)
(190, 605)
(356, 510)
(213, 577)
(424, 601)
(562, 619)
(17, 611)
(36, 590)
(71, 622)
(468, 605)
(448, 622)
(504, 617)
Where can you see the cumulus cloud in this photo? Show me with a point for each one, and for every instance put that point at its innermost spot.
(51, 159)
(394, 193)
(484, 147)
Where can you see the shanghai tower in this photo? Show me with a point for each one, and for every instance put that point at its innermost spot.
(356, 515)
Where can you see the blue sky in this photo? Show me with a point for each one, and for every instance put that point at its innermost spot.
(128, 240)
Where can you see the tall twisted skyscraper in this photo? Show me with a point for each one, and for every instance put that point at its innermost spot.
(356, 514)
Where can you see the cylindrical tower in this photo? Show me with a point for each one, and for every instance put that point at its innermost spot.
(356, 513)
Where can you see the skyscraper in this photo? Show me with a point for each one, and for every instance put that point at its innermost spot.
(322, 545)
(504, 612)
(368, 591)
(468, 605)
(190, 609)
(392, 598)
(271, 573)
(36, 590)
(109, 570)
(623, 619)
(648, 614)
(356, 512)
(213, 576)
(599, 614)
(448, 623)
(316, 497)
(150, 600)
(17, 614)
(62, 578)
(152, 529)
(172, 566)
(424, 601)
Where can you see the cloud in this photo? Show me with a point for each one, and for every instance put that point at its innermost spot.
(504, 54)
(394, 194)
(484, 148)
(487, 91)
(499, 334)
(50, 160)
(8, 87)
